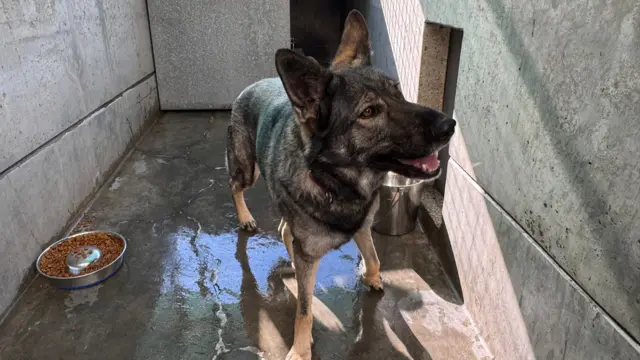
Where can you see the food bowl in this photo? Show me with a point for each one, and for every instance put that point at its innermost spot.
(81, 281)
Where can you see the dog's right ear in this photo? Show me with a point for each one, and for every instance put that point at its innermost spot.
(305, 81)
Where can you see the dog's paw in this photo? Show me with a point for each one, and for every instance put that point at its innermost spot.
(249, 225)
(295, 355)
(373, 281)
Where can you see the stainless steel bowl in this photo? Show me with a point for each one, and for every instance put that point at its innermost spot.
(90, 279)
(399, 205)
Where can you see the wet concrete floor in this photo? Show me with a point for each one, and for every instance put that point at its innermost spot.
(193, 287)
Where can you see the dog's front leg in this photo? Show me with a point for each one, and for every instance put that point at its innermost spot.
(364, 241)
(287, 238)
(306, 269)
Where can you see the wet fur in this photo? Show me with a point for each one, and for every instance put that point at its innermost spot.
(322, 162)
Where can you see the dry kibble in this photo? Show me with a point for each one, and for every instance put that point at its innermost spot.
(53, 262)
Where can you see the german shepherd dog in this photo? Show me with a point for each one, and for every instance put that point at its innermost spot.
(324, 138)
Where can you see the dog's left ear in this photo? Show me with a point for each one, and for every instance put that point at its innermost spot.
(355, 48)
(305, 81)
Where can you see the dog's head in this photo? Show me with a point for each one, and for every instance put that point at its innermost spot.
(352, 114)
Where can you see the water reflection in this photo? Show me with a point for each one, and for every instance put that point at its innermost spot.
(269, 318)
(230, 295)
(350, 322)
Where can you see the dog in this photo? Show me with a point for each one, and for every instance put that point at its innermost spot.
(323, 138)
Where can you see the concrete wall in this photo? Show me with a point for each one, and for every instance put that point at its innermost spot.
(541, 199)
(77, 86)
(206, 52)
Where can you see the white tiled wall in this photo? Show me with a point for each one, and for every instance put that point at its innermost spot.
(398, 25)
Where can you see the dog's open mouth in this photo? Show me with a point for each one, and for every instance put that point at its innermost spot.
(424, 167)
(428, 164)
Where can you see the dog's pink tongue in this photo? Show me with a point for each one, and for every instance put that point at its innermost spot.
(428, 163)
(432, 162)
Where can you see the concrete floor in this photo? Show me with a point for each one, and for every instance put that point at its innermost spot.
(193, 287)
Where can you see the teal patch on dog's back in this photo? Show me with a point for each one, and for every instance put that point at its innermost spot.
(275, 112)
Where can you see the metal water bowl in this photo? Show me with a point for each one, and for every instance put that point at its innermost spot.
(399, 205)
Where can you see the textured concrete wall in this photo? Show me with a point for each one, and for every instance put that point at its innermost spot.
(76, 88)
(524, 304)
(433, 65)
(61, 60)
(206, 52)
(548, 103)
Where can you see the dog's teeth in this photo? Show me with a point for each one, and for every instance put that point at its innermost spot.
(424, 167)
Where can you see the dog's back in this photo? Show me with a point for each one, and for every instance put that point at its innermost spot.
(259, 119)
(264, 110)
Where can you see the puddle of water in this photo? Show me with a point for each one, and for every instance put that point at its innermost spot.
(140, 167)
(116, 183)
(202, 280)
(79, 297)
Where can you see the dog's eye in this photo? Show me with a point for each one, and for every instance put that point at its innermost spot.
(369, 112)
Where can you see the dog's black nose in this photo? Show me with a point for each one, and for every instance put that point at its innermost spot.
(444, 129)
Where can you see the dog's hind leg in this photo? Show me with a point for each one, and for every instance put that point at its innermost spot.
(371, 277)
(241, 167)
